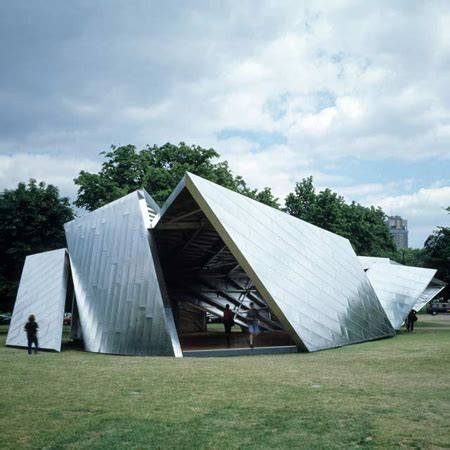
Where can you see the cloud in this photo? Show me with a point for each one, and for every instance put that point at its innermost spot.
(282, 90)
(59, 171)
(420, 204)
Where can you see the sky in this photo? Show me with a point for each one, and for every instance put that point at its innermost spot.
(355, 93)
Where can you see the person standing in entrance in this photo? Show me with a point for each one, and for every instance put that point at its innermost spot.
(410, 321)
(228, 323)
(253, 324)
(31, 328)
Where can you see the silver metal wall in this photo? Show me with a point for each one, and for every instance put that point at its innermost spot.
(42, 292)
(119, 294)
(399, 288)
(311, 278)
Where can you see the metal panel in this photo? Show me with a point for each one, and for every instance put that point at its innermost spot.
(399, 288)
(118, 290)
(368, 261)
(42, 292)
(310, 278)
(431, 291)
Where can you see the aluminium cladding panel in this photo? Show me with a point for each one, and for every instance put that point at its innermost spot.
(42, 292)
(311, 278)
(399, 288)
(117, 288)
(431, 291)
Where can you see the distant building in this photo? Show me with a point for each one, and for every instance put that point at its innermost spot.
(398, 227)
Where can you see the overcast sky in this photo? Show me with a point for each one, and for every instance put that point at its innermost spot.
(356, 94)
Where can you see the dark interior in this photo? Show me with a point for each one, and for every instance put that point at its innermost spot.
(202, 276)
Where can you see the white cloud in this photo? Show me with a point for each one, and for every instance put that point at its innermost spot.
(59, 171)
(420, 204)
(336, 81)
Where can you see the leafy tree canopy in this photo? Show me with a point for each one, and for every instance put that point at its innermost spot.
(408, 256)
(437, 253)
(158, 170)
(364, 226)
(31, 221)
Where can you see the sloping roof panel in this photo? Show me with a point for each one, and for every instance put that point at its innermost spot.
(310, 277)
(399, 288)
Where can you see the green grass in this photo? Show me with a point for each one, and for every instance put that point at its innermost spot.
(390, 393)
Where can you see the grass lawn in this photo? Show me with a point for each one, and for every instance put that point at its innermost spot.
(389, 393)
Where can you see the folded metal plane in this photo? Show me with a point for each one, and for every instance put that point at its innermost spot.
(401, 288)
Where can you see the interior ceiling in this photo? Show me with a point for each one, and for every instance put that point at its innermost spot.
(199, 268)
(188, 244)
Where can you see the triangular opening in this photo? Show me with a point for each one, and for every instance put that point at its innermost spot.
(202, 276)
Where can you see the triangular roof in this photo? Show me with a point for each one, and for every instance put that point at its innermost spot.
(309, 277)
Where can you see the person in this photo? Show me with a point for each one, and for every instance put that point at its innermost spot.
(228, 323)
(412, 317)
(253, 324)
(31, 328)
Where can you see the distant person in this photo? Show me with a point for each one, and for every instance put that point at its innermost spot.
(228, 323)
(253, 324)
(31, 328)
(412, 317)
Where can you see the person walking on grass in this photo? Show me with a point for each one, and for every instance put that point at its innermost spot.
(412, 317)
(253, 324)
(228, 323)
(31, 328)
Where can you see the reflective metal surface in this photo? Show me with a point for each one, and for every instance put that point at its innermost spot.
(42, 292)
(399, 288)
(430, 292)
(310, 278)
(119, 294)
(368, 261)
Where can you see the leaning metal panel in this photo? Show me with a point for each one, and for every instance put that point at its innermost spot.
(117, 286)
(399, 288)
(431, 291)
(310, 278)
(42, 292)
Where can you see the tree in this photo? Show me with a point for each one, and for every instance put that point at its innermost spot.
(364, 226)
(437, 253)
(409, 256)
(300, 203)
(31, 221)
(158, 170)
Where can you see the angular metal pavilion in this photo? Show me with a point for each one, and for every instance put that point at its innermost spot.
(309, 278)
(143, 276)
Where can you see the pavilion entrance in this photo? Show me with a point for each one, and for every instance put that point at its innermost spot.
(202, 276)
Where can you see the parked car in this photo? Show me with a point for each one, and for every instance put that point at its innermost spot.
(67, 318)
(438, 308)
